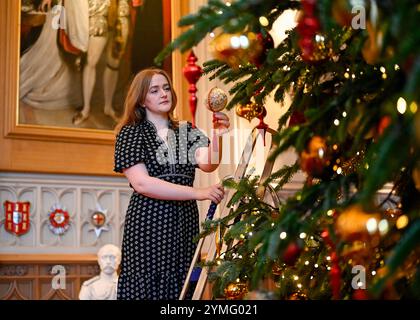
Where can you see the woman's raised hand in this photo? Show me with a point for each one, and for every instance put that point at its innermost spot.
(221, 122)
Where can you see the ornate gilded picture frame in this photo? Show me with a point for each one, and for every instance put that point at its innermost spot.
(55, 91)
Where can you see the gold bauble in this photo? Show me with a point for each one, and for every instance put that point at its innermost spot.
(237, 49)
(316, 144)
(298, 296)
(351, 224)
(249, 111)
(236, 290)
(216, 99)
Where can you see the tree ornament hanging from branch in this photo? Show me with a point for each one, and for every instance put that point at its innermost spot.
(236, 290)
(312, 42)
(267, 42)
(192, 73)
(238, 49)
(249, 111)
(316, 158)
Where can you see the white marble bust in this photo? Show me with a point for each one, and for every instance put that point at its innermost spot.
(104, 286)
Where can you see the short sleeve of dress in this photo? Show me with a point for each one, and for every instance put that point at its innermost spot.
(128, 148)
(197, 139)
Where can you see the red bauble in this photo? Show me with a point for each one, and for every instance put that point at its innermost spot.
(309, 6)
(308, 26)
(311, 42)
(335, 280)
(307, 47)
(267, 44)
(326, 236)
(335, 272)
(313, 166)
(360, 294)
(192, 73)
(383, 124)
(297, 117)
(262, 126)
(291, 253)
(306, 42)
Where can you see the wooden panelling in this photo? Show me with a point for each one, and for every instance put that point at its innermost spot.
(30, 277)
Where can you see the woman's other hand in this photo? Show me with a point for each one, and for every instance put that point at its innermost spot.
(214, 193)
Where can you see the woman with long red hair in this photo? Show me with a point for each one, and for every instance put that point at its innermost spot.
(159, 155)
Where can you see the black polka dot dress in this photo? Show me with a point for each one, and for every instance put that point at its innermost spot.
(158, 245)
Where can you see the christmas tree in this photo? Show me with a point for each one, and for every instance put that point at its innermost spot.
(353, 68)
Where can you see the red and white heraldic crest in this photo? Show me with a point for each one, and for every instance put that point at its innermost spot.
(59, 219)
(17, 217)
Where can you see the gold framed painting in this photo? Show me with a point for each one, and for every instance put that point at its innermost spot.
(70, 63)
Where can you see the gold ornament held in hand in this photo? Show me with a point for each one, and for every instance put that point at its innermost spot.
(216, 99)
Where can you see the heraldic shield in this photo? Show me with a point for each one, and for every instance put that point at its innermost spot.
(17, 217)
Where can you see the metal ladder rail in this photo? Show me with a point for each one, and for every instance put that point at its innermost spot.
(239, 174)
